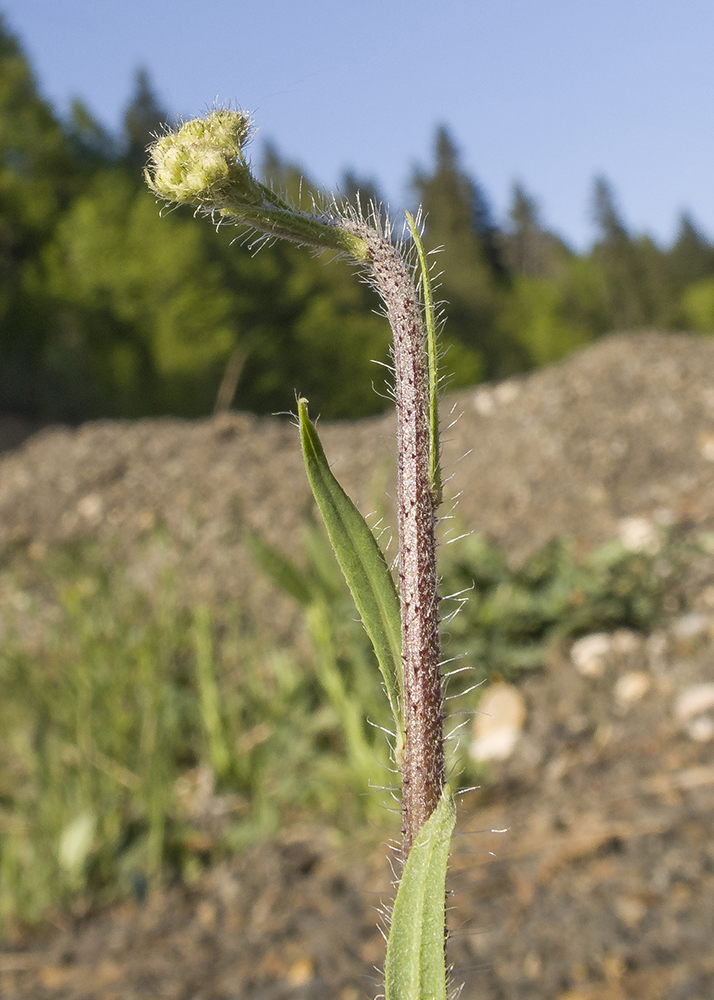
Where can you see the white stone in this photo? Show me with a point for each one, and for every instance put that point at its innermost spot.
(484, 402)
(701, 728)
(590, 653)
(631, 687)
(499, 723)
(91, 507)
(638, 534)
(694, 700)
(625, 641)
(507, 392)
(706, 447)
(691, 625)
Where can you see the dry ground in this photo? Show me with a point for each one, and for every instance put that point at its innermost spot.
(603, 886)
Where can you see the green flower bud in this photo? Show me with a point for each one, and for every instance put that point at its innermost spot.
(195, 164)
(202, 164)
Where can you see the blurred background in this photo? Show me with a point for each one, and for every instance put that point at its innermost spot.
(562, 155)
(190, 717)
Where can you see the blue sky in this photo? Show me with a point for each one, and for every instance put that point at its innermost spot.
(548, 92)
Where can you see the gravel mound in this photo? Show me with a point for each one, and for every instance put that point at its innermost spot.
(601, 889)
(622, 429)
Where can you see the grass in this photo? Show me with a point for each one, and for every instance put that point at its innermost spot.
(142, 741)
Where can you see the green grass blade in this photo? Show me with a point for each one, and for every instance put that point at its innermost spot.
(415, 968)
(281, 571)
(362, 562)
(432, 361)
(210, 697)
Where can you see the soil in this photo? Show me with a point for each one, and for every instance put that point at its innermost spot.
(602, 888)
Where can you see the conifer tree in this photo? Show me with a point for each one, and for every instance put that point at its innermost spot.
(627, 266)
(458, 219)
(143, 117)
(313, 300)
(91, 143)
(37, 178)
(691, 257)
(527, 248)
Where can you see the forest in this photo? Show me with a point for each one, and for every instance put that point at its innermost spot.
(108, 309)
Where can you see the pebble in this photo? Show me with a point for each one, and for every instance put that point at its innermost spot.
(701, 729)
(638, 534)
(694, 700)
(631, 687)
(499, 723)
(624, 642)
(590, 653)
(484, 402)
(691, 625)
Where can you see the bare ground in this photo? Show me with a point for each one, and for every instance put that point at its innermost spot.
(603, 886)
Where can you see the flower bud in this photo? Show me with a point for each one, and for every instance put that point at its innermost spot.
(193, 164)
(202, 164)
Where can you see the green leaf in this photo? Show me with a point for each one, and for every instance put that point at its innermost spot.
(415, 968)
(281, 571)
(432, 360)
(362, 562)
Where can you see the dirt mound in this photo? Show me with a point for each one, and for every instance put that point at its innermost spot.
(624, 428)
(602, 888)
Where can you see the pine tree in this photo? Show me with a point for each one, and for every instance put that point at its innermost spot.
(692, 255)
(458, 219)
(329, 333)
(527, 248)
(91, 143)
(143, 117)
(633, 271)
(38, 176)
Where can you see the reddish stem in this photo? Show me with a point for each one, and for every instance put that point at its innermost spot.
(423, 759)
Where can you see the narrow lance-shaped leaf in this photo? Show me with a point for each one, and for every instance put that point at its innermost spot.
(432, 360)
(282, 572)
(415, 968)
(362, 563)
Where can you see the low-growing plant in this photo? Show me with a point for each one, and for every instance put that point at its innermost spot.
(203, 163)
(143, 741)
(515, 613)
(148, 723)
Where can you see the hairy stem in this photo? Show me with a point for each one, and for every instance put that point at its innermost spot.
(423, 759)
(203, 163)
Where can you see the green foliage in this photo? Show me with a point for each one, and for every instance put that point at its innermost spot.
(414, 969)
(432, 350)
(697, 306)
(105, 311)
(513, 614)
(633, 272)
(142, 740)
(363, 565)
(458, 223)
(144, 117)
(345, 662)
(36, 183)
(536, 315)
(691, 257)
(143, 312)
